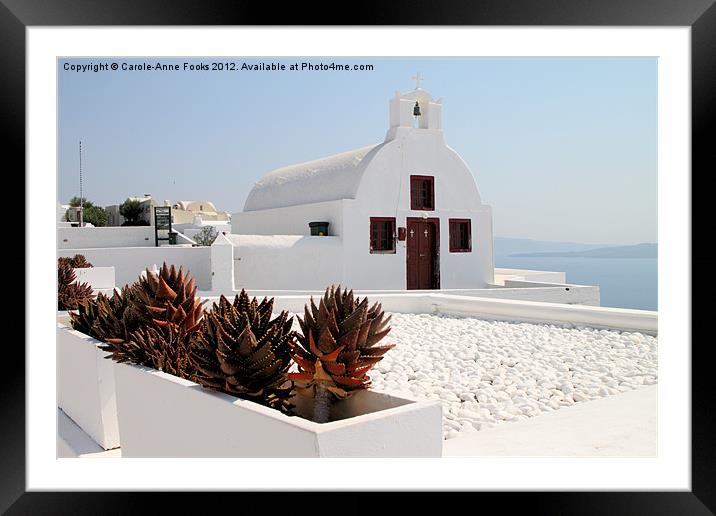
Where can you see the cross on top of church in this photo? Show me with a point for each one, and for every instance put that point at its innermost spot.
(418, 79)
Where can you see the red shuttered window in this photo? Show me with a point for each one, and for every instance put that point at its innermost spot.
(382, 235)
(460, 236)
(422, 193)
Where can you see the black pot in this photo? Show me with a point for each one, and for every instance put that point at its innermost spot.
(319, 228)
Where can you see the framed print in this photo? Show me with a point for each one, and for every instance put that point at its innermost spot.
(558, 121)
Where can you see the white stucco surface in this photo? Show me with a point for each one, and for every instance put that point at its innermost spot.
(623, 425)
(286, 261)
(153, 408)
(503, 274)
(99, 278)
(128, 262)
(80, 238)
(290, 220)
(85, 386)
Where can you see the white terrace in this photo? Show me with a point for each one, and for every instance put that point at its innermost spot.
(514, 378)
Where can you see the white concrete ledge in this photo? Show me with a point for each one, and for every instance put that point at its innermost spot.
(555, 313)
(624, 319)
(502, 274)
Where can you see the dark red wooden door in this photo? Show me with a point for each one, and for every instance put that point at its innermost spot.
(422, 250)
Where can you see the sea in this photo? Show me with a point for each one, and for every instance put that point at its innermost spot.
(623, 282)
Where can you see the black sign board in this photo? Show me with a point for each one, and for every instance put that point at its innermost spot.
(162, 222)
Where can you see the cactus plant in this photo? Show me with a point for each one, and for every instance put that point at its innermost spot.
(112, 320)
(337, 348)
(169, 297)
(241, 350)
(150, 323)
(69, 293)
(78, 261)
(165, 349)
(164, 313)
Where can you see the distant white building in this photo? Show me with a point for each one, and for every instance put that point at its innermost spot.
(183, 212)
(115, 218)
(403, 214)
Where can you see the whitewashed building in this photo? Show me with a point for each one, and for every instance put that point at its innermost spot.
(402, 214)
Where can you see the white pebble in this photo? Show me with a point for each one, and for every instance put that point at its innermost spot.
(487, 373)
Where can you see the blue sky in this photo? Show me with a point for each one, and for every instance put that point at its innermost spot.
(562, 149)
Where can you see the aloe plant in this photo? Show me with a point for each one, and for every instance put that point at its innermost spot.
(241, 350)
(150, 323)
(70, 294)
(168, 314)
(78, 261)
(337, 347)
(165, 349)
(112, 320)
(169, 297)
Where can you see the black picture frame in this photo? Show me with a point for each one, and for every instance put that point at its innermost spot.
(699, 15)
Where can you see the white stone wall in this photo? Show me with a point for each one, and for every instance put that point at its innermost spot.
(99, 278)
(528, 275)
(289, 262)
(291, 220)
(191, 232)
(128, 262)
(86, 238)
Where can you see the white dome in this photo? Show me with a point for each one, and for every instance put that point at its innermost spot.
(326, 179)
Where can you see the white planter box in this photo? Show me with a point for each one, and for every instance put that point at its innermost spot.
(161, 415)
(85, 385)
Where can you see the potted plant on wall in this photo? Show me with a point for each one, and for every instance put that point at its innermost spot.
(244, 351)
(70, 293)
(337, 347)
(146, 323)
(238, 399)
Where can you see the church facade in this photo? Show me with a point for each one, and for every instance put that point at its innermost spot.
(402, 214)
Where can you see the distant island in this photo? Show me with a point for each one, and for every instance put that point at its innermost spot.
(625, 251)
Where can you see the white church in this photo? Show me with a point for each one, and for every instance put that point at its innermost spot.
(402, 214)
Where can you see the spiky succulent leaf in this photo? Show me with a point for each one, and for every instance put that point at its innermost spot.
(78, 261)
(165, 349)
(112, 320)
(241, 350)
(337, 344)
(169, 297)
(70, 294)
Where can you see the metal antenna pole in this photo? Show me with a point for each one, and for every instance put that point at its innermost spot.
(81, 203)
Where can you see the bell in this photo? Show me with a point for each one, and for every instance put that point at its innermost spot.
(416, 109)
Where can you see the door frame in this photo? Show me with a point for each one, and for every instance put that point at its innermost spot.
(436, 256)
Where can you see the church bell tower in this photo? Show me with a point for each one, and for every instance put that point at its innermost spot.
(414, 110)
